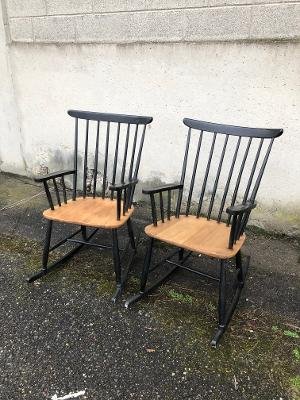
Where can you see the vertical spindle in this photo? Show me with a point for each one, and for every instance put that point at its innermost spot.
(133, 152)
(213, 195)
(238, 181)
(137, 164)
(48, 194)
(138, 159)
(124, 201)
(179, 200)
(194, 174)
(119, 198)
(153, 208)
(75, 160)
(125, 154)
(56, 192)
(105, 160)
(169, 205)
(229, 178)
(206, 174)
(252, 171)
(161, 204)
(64, 189)
(232, 232)
(262, 169)
(96, 160)
(115, 159)
(85, 157)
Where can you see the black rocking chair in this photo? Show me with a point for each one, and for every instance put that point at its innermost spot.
(210, 231)
(117, 143)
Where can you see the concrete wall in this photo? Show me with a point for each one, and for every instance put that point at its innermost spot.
(226, 61)
(10, 134)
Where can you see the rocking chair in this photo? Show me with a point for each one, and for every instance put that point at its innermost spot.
(121, 143)
(210, 232)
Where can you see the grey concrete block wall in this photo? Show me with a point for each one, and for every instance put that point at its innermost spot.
(273, 22)
(170, 26)
(116, 21)
(56, 7)
(101, 6)
(21, 28)
(53, 29)
(26, 8)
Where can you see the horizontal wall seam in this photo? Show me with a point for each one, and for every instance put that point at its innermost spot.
(165, 42)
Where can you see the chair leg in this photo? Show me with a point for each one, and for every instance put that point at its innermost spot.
(222, 294)
(47, 245)
(120, 263)
(225, 316)
(180, 255)
(46, 268)
(239, 266)
(117, 265)
(144, 277)
(83, 232)
(221, 305)
(147, 262)
(45, 256)
(131, 234)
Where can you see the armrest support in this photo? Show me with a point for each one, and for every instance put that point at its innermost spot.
(128, 189)
(163, 188)
(240, 214)
(240, 208)
(159, 190)
(54, 175)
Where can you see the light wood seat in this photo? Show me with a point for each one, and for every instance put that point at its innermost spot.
(196, 234)
(98, 213)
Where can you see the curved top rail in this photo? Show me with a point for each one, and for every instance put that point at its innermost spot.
(233, 130)
(121, 118)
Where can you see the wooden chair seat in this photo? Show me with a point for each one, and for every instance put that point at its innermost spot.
(200, 235)
(98, 213)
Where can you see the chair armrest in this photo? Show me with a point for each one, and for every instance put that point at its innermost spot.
(54, 175)
(240, 214)
(163, 188)
(159, 190)
(121, 186)
(240, 208)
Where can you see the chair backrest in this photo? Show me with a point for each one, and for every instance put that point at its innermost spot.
(231, 159)
(108, 149)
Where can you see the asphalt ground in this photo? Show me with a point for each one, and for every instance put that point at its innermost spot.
(62, 334)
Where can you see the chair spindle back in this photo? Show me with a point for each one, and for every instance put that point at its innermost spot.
(222, 166)
(110, 153)
(238, 141)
